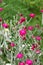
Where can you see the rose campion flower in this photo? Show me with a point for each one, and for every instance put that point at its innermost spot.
(12, 44)
(30, 28)
(34, 46)
(38, 38)
(5, 25)
(32, 15)
(29, 62)
(21, 63)
(22, 32)
(0, 19)
(19, 55)
(22, 19)
(37, 51)
(41, 11)
(1, 9)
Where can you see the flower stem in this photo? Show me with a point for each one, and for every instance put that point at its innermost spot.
(10, 25)
(19, 43)
(42, 18)
(29, 21)
(12, 56)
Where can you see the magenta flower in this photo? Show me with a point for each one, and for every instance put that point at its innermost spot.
(32, 15)
(30, 28)
(29, 62)
(21, 63)
(22, 19)
(12, 44)
(41, 11)
(37, 51)
(34, 46)
(0, 19)
(19, 55)
(5, 25)
(38, 38)
(22, 32)
(1, 9)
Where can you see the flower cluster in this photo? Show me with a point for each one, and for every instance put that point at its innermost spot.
(20, 43)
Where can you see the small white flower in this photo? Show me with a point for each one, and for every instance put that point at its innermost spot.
(6, 30)
(8, 64)
(40, 54)
(23, 45)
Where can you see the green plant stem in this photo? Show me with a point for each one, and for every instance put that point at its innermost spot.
(19, 43)
(10, 25)
(42, 18)
(28, 21)
(12, 56)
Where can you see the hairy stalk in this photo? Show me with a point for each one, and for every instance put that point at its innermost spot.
(42, 18)
(12, 56)
(28, 21)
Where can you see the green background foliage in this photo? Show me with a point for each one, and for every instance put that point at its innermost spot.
(12, 7)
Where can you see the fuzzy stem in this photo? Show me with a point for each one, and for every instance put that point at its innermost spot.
(1, 24)
(19, 42)
(12, 56)
(42, 18)
(29, 21)
(10, 25)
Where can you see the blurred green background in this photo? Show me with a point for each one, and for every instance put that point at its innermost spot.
(13, 7)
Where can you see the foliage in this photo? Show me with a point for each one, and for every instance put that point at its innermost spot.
(21, 31)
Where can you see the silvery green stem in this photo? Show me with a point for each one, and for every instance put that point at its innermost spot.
(34, 38)
(12, 56)
(16, 18)
(42, 18)
(38, 61)
(35, 31)
(4, 44)
(19, 43)
(29, 21)
(1, 41)
(1, 24)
